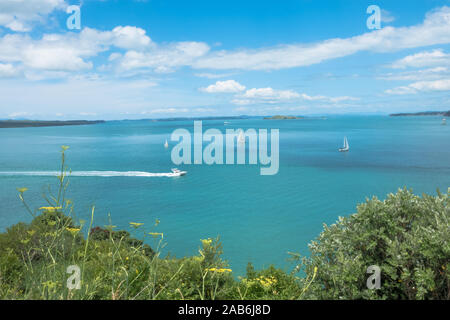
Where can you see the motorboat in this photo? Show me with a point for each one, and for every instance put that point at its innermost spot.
(177, 173)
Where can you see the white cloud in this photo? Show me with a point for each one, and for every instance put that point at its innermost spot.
(423, 59)
(269, 93)
(163, 58)
(386, 16)
(19, 114)
(328, 99)
(242, 102)
(213, 75)
(166, 110)
(422, 86)
(343, 98)
(18, 15)
(272, 96)
(228, 86)
(72, 51)
(54, 58)
(8, 71)
(434, 30)
(416, 75)
(69, 51)
(130, 37)
(264, 95)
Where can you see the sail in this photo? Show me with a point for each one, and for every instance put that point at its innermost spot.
(345, 147)
(166, 144)
(241, 138)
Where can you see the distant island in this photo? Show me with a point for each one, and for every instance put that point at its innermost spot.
(424, 113)
(278, 117)
(39, 123)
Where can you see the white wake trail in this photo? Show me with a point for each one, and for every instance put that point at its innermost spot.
(90, 174)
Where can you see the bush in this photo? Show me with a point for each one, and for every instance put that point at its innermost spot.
(407, 236)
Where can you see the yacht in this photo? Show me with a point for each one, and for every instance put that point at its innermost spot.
(177, 173)
(444, 121)
(241, 138)
(346, 147)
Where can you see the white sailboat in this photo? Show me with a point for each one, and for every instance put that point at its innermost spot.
(166, 144)
(241, 138)
(346, 146)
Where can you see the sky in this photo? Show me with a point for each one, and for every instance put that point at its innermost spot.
(134, 59)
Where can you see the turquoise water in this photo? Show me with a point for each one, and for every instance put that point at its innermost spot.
(259, 218)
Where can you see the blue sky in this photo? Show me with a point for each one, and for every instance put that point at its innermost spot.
(162, 58)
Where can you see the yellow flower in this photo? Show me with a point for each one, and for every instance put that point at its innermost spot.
(22, 190)
(136, 224)
(156, 234)
(220, 270)
(73, 231)
(50, 209)
(266, 282)
(206, 242)
(127, 258)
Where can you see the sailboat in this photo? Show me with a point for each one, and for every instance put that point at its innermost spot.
(346, 147)
(444, 121)
(166, 144)
(241, 138)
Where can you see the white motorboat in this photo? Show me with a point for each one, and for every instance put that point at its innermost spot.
(346, 146)
(444, 121)
(176, 172)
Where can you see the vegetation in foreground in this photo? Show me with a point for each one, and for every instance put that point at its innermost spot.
(407, 236)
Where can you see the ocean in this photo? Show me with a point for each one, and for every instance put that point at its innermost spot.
(259, 218)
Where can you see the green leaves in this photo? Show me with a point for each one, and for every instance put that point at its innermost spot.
(407, 236)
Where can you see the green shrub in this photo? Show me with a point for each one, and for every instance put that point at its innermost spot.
(407, 236)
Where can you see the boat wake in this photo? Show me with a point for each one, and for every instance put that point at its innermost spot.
(91, 174)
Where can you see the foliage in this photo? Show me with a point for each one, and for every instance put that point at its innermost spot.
(407, 236)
